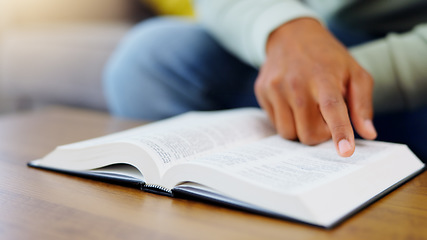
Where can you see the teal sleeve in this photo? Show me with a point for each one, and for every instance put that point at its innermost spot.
(243, 26)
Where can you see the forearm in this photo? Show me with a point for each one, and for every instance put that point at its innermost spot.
(243, 26)
(399, 68)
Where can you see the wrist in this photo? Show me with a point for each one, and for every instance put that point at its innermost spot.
(292, 30)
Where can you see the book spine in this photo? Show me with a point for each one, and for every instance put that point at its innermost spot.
(153, 188)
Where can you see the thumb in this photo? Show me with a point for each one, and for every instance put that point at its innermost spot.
(360, 104)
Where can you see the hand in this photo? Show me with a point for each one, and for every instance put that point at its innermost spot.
(310, 84)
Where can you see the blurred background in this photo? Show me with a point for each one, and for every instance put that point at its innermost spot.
(54, 51)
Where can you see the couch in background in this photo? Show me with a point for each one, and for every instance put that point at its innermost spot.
(54, 51)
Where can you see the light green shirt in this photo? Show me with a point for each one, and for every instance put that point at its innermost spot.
(397, 62)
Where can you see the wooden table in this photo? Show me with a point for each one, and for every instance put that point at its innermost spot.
(36, 204)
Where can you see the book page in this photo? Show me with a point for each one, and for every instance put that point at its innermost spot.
(177, 139)
(198, 133)
(309, 183)
(288, 166)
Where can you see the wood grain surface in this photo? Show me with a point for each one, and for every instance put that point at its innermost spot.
(37, 204)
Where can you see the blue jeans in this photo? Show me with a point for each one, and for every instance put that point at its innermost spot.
(168, 66)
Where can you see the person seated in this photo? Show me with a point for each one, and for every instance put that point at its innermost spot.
(319, 70)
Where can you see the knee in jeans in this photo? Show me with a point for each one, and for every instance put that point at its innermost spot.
(159, 42)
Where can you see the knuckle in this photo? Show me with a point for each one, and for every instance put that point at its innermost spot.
(339, 130)
(304, 138)
(329, 102)
(296, 91)
(294, 83)
(328, 76)
(313, 137)
(300, 101)
(364, 76)
(269, 85)
(321, 79)
(287, 134)
(289, 82)
(275, 82)
(258, 86)
(311, 141)
(260, 81)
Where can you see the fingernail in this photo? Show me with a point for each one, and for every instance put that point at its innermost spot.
(370, 127)
(344, 146)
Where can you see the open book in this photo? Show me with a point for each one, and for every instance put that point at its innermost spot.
(235, 157)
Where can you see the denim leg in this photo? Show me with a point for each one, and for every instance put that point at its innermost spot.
(168, 66)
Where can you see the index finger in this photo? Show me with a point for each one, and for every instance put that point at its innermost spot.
(335, 113)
